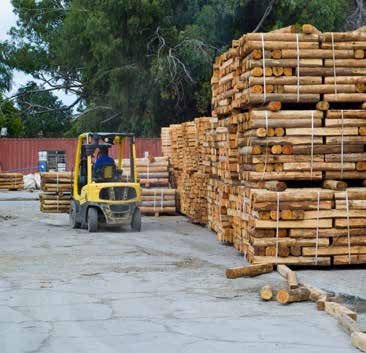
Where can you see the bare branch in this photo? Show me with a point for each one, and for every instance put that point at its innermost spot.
(87, 111)
(111, 118)
(24, 93)
(265, 15)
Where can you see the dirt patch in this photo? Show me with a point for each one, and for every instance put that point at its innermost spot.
(6, 217)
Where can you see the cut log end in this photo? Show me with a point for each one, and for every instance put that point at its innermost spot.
(266, 293)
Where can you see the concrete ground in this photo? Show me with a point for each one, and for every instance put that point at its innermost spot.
(161, 290)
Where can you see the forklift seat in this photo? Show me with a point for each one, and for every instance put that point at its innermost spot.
(106, 173)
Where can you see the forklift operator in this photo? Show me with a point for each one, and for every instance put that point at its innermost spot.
(103, 159)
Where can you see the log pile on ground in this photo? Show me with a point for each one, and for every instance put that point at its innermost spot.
(11, 181)
(286, 155)
(56, 192)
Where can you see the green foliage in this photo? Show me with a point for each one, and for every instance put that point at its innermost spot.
(41, 112)
(326, 15)
(138, 64)
(9, 118)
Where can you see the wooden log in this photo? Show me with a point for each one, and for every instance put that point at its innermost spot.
(358, 340)
(287, 296)
(335, 250)
(248, 271)
(267, 293)
(283, 37)
(318, 53)
(273, 45)
(310, 29)
(310, 223)
(290, 80)
(290, 275)
(292, 260)
(152, 210)
(336, 310)
(335, 185)
(296, 194)
(349, 325)
(345, 260)
(345, 97)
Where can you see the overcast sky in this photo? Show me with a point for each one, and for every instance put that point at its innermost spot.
(7, 20)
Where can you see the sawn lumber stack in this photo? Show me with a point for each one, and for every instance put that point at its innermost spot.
(285, 154)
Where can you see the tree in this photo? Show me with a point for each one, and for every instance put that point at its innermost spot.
(41, 112)
(10, 119)
(138, 65)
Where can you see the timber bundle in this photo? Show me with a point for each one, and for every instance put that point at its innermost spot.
(56, 192)
(156, 195)
(11, 181)
(151, 171)
(156, 201)
(282, 162)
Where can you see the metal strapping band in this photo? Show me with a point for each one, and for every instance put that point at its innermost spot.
(342, 145)
(348, 230)
(317, 230)
(162, 199)
(244, 203)
(334, 67)
(154, 199)
(298, 67)
(266, 155)
(264, 71)
(277, 224)
(312, 145)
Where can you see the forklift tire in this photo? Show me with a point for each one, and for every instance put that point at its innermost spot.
(136, 220)
(72, 216)
(92, 220)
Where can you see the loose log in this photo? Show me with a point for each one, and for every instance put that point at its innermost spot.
(287, 296)
(290, 275)
(248, 271)
(336, 310)
(358, 340)
(349, 325)
(267, 293)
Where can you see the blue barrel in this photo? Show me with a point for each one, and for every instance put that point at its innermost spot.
(42, 166)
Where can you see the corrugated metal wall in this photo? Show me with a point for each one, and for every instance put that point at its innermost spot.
(22, 154)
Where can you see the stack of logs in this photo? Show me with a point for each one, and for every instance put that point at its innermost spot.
(56, 192)
(11, 181)
(285, 155)
(165, 142)
(151, 171)
(153, 175)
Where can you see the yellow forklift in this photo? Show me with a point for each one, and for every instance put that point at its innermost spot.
(103, 195)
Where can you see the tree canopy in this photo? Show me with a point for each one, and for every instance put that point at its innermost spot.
(41, 112)
(137, 65)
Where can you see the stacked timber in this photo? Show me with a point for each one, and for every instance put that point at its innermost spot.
(349, 240)
(151, 171)
(285, 157)
(56, 192)
(156, 201)
(11, 181)
(306, 226)
(165, 141)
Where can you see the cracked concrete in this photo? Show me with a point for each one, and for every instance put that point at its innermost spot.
(161, 290)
